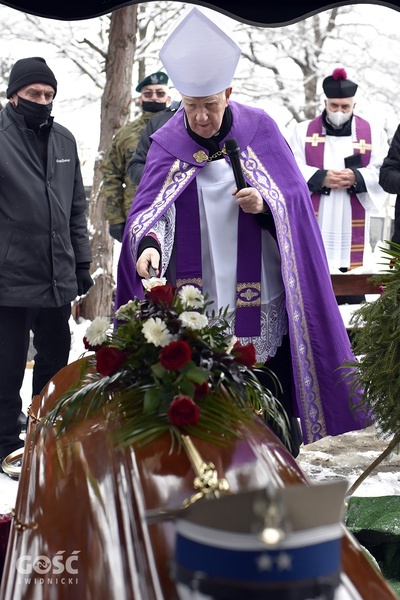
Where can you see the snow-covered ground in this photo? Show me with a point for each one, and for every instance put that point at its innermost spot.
(347, 456)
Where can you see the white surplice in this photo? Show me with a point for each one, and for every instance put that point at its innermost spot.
(334, 215)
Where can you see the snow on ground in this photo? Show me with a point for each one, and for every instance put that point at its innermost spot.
(347, 456)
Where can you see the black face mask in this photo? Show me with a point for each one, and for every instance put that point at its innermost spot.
(154, 106)
(34, 114)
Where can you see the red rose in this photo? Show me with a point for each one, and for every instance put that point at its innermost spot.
(200, 391)
(162, 294)
(244, 355)
(89, 346)
(175, 355)
(183, 411)
(109, 360)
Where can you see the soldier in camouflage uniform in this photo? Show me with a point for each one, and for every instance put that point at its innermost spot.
(117, 186)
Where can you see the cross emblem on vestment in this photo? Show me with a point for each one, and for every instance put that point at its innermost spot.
(362, 146)
(248, 295)
(315, 139)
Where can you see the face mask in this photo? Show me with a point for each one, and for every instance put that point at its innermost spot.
(35, 114)
(153, 106)
(337, 119)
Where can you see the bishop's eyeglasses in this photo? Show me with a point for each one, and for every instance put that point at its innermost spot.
(150, 93)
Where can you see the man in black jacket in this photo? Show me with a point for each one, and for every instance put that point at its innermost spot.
(389, 180)
(44, 246)
(138, 160)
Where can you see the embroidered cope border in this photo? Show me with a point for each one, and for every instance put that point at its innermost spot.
(309, 391)
(180, 174)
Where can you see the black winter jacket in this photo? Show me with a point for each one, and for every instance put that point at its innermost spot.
(43, 228)
(389, 180)
(136, 164)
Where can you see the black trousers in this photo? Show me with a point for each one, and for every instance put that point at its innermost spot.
(281, 365)
(52, 342)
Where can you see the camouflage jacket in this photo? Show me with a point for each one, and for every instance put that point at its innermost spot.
(117, 187)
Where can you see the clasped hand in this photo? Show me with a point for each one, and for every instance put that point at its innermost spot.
(335, 180)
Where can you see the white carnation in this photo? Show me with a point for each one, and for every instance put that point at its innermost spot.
(191, 297)
(156, 332)
(193, 320)
(96, 333)
(149, 284)
(231, 343)
(125, 311)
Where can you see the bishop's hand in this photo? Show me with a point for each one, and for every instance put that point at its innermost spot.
(149, 256)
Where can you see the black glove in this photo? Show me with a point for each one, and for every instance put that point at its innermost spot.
(83, 278)
(117, 231)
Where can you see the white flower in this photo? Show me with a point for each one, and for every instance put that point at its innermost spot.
(155, 331)
(124, 312)
(191, 297)
(231, 343)
(96, 333)
(148, 284)
(193, 320)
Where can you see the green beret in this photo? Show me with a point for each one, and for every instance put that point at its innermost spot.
(153, 79)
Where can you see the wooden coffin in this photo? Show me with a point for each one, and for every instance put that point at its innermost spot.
(350, 284)
(81, 529)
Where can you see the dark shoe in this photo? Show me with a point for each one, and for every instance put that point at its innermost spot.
(11, 465)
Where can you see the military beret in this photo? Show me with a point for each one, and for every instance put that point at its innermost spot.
(153, 79)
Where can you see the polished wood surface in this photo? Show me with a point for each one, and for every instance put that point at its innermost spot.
(79, 495)
(347, 284)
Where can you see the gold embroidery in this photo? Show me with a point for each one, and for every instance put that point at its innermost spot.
(200, 156)
(310, 394)
(248, 294)
(315, 139)
(197, 281)
(362, 146)
(171, 187)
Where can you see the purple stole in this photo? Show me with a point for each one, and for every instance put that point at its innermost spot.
(248, 277)
(314, 155)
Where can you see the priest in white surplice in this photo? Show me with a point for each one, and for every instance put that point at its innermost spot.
(339, 155)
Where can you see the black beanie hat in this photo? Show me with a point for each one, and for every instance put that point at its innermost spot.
(30, 70)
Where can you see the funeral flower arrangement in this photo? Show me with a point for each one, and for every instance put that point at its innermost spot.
(167, 366)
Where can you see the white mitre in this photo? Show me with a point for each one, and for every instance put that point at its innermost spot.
(199, 57)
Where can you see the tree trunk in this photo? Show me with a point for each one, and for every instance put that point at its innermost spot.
(115, 110)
